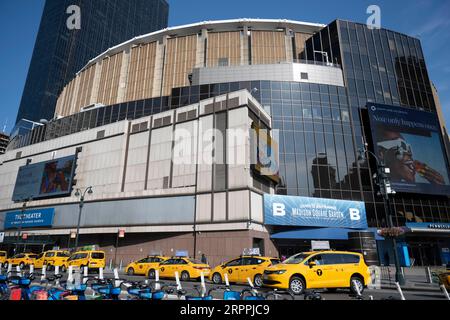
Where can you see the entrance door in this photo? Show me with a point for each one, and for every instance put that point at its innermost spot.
(425, 254)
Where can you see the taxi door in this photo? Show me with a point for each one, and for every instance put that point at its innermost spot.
(316, 275)
(333, 275)
(166, 268)
(249, 269)
(350, 264)
(17, 259)
(232, 269)
(141, 266)
(39, 262)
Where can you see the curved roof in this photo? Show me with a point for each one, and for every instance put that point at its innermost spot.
(216, 25)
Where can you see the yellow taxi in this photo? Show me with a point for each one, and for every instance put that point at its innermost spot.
(242, 268)
(146, 266)
(51, 259)
(314, 270)
(3, 257)
(90, 259)
(187, 268)
(21, 260)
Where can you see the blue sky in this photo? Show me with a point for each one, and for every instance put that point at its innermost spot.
(427, 19)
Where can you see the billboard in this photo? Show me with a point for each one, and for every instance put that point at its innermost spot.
(265, 157)
(410, 144)
(313, 212)
(29, 218)
(45, 179)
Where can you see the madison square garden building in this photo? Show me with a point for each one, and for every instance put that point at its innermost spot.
(325, 93)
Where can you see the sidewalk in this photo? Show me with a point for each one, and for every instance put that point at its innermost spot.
(416, 279)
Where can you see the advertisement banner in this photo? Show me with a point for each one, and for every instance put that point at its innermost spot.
(44, 179)
(314, 212)
(29, 219)
(409, 143)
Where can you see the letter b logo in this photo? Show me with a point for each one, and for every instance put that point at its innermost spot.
(354, 214)
(279, 210)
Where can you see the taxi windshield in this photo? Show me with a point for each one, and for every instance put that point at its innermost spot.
(295, 259)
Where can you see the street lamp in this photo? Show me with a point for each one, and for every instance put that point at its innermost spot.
(81, 195)
(383, 182)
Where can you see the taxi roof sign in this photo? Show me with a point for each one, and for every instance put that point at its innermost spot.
(251, 252)
(181, 253)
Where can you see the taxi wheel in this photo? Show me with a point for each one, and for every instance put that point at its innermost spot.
(151, 274)
(185, 276)
(258, 280)
(21, 265)
(48, 267)
(5, 265)
(63, 268)
(217, 278)
(130, 271)
(297, 285)
(356, 281)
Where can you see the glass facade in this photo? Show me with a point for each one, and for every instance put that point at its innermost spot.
(59, 53)
(385, 67)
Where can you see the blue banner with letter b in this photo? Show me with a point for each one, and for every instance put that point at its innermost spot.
(314, 212)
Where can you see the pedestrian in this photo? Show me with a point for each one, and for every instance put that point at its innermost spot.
(204, 260)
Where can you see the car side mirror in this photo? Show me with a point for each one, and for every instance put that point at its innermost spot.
(223, 266)
(312, 264)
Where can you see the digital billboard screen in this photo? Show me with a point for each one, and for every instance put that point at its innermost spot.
(45, 179)
(410, 144)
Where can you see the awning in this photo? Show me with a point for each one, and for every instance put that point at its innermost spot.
(319, 234)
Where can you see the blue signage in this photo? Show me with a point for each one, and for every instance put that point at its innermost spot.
(30, 218)
(429, 226)
(314, 212)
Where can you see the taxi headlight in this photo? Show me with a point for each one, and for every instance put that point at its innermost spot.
(280, 271)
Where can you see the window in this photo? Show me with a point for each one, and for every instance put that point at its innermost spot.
(49, 254)
(97, 255)
(275, 261)
(350, 258)
(317, 259)
(62, 254)
(169, 261)
(223, 62)
(252, 261)
(234, 263)
(332, 259)
(180, 261)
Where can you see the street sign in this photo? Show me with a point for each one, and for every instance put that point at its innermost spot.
(2, 237)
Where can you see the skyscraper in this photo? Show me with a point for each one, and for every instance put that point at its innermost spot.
(60, 52)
